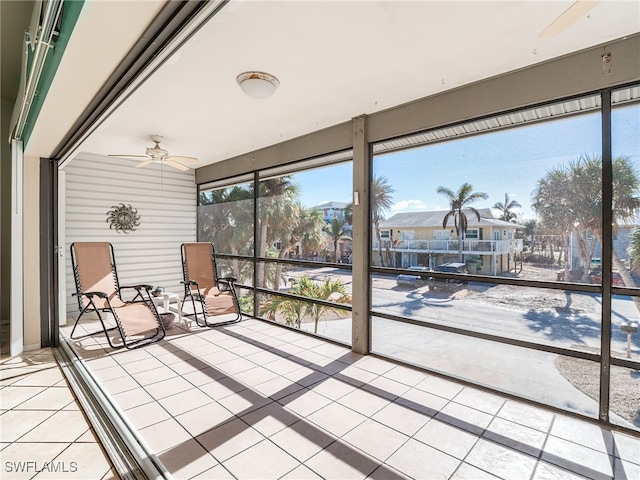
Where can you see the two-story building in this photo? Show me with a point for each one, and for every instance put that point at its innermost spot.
(332, 209)
(489, 246)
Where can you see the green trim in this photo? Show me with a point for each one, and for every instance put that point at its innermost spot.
(70, 12)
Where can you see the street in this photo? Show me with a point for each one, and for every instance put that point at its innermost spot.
(529, 321)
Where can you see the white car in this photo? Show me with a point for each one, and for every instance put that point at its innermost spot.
(406, 279)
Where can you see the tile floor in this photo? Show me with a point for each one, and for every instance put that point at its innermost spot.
(43, 432)
(256, 401)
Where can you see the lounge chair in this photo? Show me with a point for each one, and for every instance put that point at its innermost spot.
(98, 290)
(209, 295)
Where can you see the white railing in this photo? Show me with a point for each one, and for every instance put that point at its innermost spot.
(451, 246)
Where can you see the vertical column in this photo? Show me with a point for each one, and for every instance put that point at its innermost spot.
(48, 250)
(16, 327)
(361, 236)
(607, 243)
(30, 254)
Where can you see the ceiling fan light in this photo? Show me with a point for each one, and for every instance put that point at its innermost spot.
(257, 84)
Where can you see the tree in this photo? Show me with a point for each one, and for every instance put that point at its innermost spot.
(310, 230)
(530, 229)
(506, 208)
(634, 249)
(337, 230)
(553, 205)
(282, 227)
(459, 202)
(329, 290)
(569, 200)
(348, 213)
(381, 201)
(291, 309)
(295, 224)
(240, 236)
(226, 219)
(294, 310)
(275, 193)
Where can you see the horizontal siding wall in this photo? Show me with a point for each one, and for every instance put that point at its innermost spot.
(165, 199)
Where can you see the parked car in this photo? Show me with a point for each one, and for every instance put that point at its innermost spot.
(616, 278)
(448, 283)
(408, 280)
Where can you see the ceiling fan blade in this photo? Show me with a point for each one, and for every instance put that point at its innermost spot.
(144, 164)
(129, 156)
(182, 159)
(572, 14)
(175, 164)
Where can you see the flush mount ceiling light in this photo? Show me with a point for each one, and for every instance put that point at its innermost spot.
(257, 84)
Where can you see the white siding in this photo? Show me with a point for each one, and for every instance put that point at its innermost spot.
(165, 199)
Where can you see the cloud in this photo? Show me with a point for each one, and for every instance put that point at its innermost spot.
(405, 206)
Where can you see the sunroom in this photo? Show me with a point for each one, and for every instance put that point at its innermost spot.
(385, 109)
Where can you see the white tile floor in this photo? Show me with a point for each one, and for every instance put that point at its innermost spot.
(256, 401)
(43, 432)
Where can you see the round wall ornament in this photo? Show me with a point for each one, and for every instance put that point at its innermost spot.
(123, 218)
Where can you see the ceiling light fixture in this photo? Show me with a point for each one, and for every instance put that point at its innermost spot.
(257, 84)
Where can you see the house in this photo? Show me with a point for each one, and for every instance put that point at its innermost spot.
(331, 209)
(489, 245)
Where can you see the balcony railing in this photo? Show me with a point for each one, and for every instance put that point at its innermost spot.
(451, 246)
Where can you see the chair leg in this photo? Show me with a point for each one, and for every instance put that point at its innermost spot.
(197, 299)
(104, 327)
(129, 345)
(192, 298)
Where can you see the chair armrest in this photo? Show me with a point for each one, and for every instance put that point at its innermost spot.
(91, 294)
(140, 291)
(226, 283)
(190, 285)
(137, 287)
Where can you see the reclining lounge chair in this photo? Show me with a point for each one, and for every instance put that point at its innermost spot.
(98, 290)
(209, 295)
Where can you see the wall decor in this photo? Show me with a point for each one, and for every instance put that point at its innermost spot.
(123, 218)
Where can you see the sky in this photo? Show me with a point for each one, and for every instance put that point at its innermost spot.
(509, 161)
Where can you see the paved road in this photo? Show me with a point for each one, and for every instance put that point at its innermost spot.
(572, 328)
(548, 326)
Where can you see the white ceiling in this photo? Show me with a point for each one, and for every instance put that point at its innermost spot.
(336, 60)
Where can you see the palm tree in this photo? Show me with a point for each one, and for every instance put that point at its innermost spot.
(274, 193)
(380, 202)
(337, 230)
(551, 203)
(214, 214)
(348, 213)
(309, 230)
(570, 197)
(282, 228)
(459, 201)
(634, 249)
(294, 310)
(506, 209)
(329, 290)
(226, 219)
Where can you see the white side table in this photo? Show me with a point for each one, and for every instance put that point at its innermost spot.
(166, 299)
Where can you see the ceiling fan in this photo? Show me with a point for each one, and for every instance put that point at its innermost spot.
(159, 155)
(572, 14)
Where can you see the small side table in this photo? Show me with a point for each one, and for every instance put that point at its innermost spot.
(166, 299)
